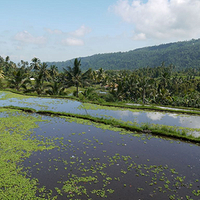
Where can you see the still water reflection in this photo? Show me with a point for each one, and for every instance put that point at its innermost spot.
(72, 106)
(123, 163)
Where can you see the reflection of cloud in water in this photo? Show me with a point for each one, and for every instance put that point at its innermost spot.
(155, 115)
(172, 115)
(191, 122)
(127, 113)
(194, 133)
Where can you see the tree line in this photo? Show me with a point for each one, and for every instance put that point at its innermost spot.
(183, 54)
(163, 85)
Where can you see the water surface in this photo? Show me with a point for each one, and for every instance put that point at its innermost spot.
(131, 166)
(72, 106)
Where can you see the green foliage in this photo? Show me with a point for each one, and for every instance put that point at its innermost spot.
(75, 77)
(18, 79)
(163, 85)
(181, 54)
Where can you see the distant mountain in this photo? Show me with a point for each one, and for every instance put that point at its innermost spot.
(181, 54)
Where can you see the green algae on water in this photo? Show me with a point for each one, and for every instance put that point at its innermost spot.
(17, 144)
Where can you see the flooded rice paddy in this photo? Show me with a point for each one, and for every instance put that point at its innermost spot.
(126, 115)
(43, 157)
(76, 159)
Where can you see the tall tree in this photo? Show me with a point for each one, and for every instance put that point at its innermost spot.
(144, 84)
(40, 75)
(75, 76)
(35, 63)
(1, 73)
(53, 72)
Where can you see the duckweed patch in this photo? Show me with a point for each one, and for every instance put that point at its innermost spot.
(125, 168)
(155, 129)
(107, 112)
(17, 143)
(183, 133)
(92, 158)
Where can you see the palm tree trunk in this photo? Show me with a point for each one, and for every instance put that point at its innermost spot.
(77, 89)
(143, 96)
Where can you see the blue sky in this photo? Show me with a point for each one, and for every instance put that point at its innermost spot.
(59, 30)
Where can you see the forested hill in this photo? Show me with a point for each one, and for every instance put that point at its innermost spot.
(181, 54)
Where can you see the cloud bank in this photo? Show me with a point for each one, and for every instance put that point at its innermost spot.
(73, 38)
(26, 37)
(161, 19)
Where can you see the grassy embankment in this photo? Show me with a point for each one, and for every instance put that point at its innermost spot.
(158, 130)
(129, 105)
(162, 130)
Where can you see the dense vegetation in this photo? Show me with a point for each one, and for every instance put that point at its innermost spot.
(181, 54)
(162, 85)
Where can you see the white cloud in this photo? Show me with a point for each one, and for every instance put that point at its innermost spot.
(26, 37)
(55, 31)
(139, 36)
(82, 31)
(161, 19)
(73, 42)
(74, 38)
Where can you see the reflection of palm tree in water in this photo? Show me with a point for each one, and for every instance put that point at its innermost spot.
(86, 111)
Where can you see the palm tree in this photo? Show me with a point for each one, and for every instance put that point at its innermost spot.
(144, 84)
(90, 94)
(40, 76)
(164, 79)
(7, 59)
(117, 90)
(55, 89)
(1, 74)
(163, 96)
(7, 66)
(100, 75)
(18, 79)
(53, 72)
(75, 77)
(1, 77)
(35, 63)
(38, 85)
(94, 76)
(43, 70)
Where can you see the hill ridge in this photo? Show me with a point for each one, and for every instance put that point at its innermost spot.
(182, 54)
